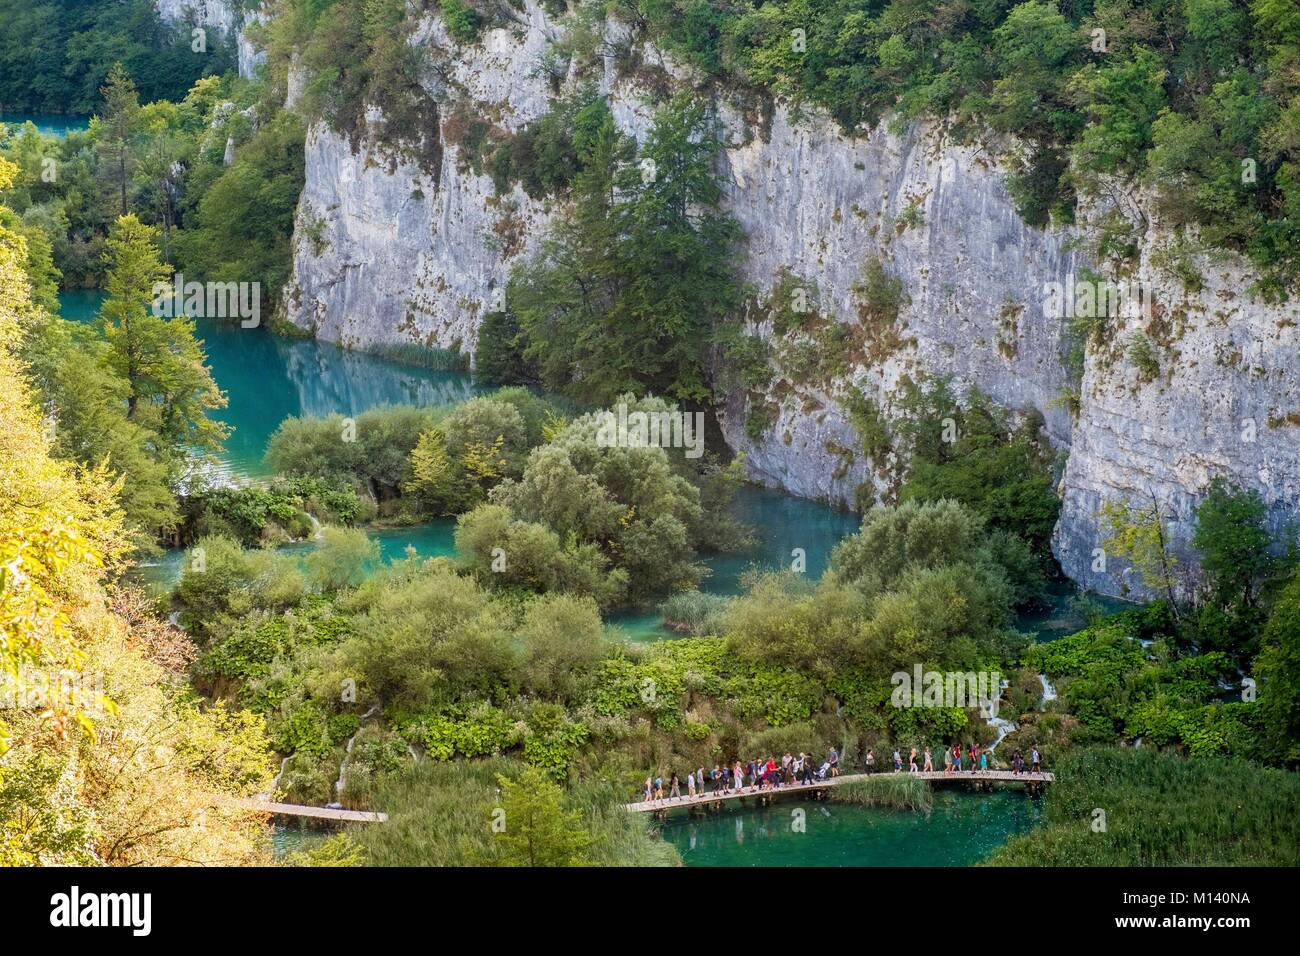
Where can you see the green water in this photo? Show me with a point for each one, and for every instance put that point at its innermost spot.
(48, 124)
(960, 830)
(268, 378)
(781, 524)
(295, 839)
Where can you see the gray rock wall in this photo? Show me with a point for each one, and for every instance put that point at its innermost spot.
(388, 252)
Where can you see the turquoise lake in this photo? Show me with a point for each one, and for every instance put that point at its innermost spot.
(269, 378)
(961, 829)
(48, 124)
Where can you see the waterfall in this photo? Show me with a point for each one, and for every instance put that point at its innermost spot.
(315, 526)
(1001, 724)
(275, 782)
(347, 753)
(1049, 692)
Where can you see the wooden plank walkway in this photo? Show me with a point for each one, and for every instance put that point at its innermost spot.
(935, 776)
(316, 813)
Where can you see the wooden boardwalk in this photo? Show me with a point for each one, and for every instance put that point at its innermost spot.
(316, 813)
(935, 776)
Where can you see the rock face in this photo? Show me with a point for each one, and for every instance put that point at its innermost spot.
(393, 251)
(223, 16)
(210, 14)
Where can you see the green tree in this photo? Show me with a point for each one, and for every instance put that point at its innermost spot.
(631, 286)
(170, 389)
(539, 831)
(342, 558)
(1137, 535)
(1278, 670)
(1233, 544)
(119, 128)
(433, 478)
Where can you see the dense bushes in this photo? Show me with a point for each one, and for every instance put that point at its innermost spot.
(970, 453)
(623, 524)
(254, 515)
(369, 451)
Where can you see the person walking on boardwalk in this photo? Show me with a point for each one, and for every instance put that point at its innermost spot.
(947, 760)
(898, 761)
(871, 761)
(928, 767)
(659, 788)
(649, 789)
(1017, 762)
(911, 761)
(970, 753)
(690, 784)
(674, 786)
(956, 758)
(984, 762)
(699, 780)
(1035, 761)
(738, 776)
(834, 761)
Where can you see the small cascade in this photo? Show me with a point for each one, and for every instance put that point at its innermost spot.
(316, 529)
(1049, 692)
(347, 753)
(1003, 727)
(1000, 724)
(275, 782)
(174, 618)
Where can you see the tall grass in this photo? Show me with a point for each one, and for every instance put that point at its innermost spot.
(439, 814)
(694, 612)
(1161, 809)
(896, 791)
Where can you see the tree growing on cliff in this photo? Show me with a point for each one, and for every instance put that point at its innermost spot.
(625, 295)
(1138, 536)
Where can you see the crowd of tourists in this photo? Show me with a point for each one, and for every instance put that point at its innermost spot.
(793, 770)
(753, 776)
(975, 761)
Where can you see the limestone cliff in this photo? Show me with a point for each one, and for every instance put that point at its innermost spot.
(394, 249)
(223, 17)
